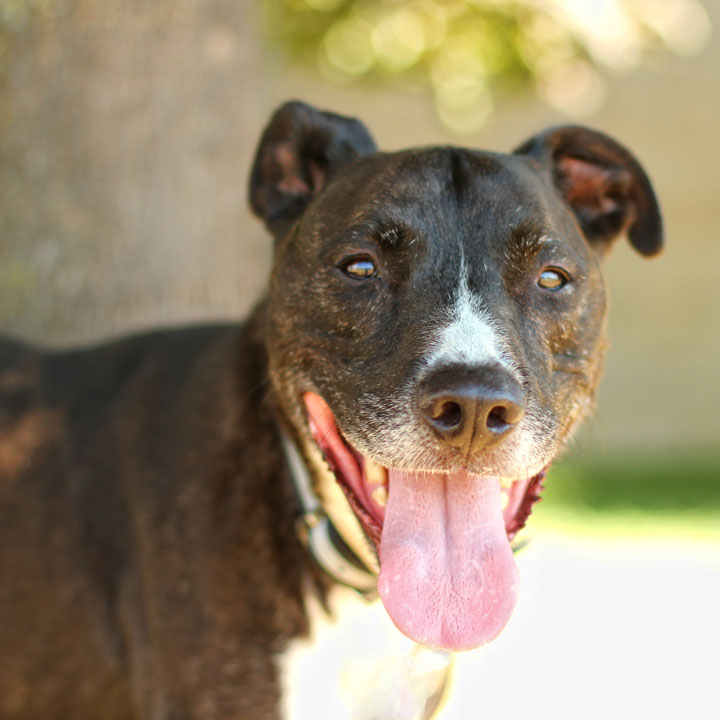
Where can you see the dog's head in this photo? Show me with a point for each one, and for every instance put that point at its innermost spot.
(436, 329)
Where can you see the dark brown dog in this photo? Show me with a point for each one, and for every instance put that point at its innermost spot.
(434, 326)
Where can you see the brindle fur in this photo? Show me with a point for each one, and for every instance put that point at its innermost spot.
(149, 563)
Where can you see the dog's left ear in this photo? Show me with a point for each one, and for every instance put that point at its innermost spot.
(299, 150)
(604, 185)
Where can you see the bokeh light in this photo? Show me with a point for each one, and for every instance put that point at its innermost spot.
(470, 52)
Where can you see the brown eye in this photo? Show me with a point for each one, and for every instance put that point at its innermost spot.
(361, 268)
(553, 279)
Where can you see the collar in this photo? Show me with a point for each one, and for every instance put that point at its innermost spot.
(332, 552)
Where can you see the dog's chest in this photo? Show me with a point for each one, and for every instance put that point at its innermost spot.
(356, 665)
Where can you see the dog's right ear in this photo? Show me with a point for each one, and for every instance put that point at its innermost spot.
(299, 150)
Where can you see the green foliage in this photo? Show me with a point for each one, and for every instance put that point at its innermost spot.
(671, 495)
(469, 51)
(15, 14)
(683, 483)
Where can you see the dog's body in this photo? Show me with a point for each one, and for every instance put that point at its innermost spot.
(148, 540)
(435, 326)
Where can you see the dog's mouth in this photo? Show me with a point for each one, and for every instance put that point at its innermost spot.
(448, 578)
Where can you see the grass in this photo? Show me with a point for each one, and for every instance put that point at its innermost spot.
(668, 494)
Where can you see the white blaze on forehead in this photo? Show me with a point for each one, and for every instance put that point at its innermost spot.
(470, 337)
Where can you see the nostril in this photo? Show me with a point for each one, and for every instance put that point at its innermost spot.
(497, 419)
(446, 415)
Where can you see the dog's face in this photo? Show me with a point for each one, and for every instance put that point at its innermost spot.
(436, 328)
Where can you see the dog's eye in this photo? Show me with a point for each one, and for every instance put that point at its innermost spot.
(360, 267)
(553, 279)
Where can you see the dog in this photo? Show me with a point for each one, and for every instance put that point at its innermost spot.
(178, 506)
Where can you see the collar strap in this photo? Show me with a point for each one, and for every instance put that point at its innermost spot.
(319, 535)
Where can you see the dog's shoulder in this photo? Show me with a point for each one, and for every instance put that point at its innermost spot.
(133, 400)
(79, 378)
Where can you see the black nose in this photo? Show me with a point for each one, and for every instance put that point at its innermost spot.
(471, 407)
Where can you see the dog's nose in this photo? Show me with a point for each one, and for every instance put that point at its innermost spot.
(471, 407)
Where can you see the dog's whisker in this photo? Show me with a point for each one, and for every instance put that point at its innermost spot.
(450, 303)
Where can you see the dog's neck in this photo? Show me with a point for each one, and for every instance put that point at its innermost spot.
(340, 550)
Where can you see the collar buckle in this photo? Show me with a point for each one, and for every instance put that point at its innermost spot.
(315, 532)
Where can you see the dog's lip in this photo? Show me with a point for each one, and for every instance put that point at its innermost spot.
(518, 496)
(447, 575)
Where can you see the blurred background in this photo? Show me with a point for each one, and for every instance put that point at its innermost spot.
(126, 135)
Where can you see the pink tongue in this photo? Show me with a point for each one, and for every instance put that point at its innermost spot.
(448, 578)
